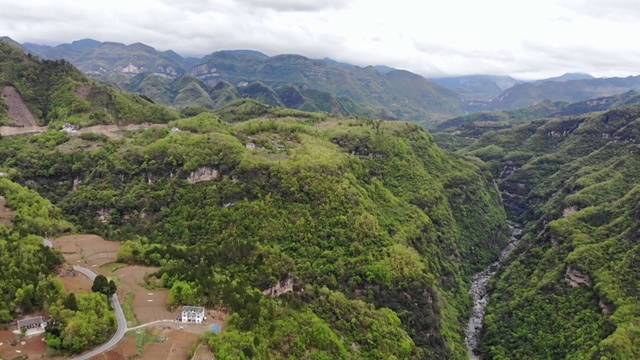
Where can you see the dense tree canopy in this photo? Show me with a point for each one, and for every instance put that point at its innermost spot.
(572, 290)
(367, 214)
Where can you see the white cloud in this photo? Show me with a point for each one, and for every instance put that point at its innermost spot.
(521, 38)
(297, 5)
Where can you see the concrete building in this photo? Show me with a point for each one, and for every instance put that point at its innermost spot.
(192, 314)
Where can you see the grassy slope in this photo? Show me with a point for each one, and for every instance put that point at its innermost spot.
(50, 90)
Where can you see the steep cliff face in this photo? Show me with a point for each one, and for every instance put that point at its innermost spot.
(571, 290)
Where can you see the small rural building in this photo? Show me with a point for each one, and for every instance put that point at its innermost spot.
(192, 314)
(69, 128)
(250, 145)
(31, 323)
(175, 129)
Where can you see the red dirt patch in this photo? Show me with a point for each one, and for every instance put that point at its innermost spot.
(18, 110)
(91, 250)
(83, 91)
(34, 348)
(6, 214)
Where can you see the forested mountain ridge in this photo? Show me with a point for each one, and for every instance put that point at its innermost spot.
(376, 226)
(46, 92)
(476, 87)
(324, 85)
(571, 291)
(474, 125)
(527, 94)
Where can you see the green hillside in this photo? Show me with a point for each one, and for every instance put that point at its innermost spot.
(527, 94)
(378, 229)
(28, 280)
(462, 131)
(54, 92)
(571, 291)
(341, 90)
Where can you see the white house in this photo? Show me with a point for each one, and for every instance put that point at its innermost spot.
(192, 314)
(250, 145)
(175, 129)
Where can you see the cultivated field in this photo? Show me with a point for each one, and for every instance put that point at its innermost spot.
(175, 347)
(148, 305)
(162, 343)
(86, 250)
(74, 284)
(34, 348)
(203, 353)
(126, 349)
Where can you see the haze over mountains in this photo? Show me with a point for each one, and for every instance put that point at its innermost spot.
(298, 82)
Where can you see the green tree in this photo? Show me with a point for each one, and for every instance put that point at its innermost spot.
(70, 302)
(101, 285)
(112, 288)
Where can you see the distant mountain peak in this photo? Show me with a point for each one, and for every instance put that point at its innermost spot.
(86, 44)
(569, 76)
(244, 52)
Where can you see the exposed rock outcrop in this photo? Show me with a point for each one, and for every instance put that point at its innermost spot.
(576, 278)
(280, 288)
(204, 173)
(76, 183)
(569, 211)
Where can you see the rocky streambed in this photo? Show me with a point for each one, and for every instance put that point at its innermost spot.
(480, 296)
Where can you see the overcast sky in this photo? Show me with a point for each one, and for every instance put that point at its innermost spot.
(523, 38)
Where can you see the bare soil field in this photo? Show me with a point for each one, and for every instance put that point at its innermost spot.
(151, 305)
(34, 348)
(18, 110)
(91, 250)
(6, 214)
(76, 283)
(203, 353)
(176, 347)
(133, 275)
(148, 305)
(126, 349)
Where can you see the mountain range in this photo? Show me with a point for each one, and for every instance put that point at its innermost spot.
(302, 83)
(285, 80)
(476, 124)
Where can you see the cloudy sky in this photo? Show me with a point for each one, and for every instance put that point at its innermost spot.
(523, 38)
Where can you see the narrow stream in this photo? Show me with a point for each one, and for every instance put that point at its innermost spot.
(480, 296)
